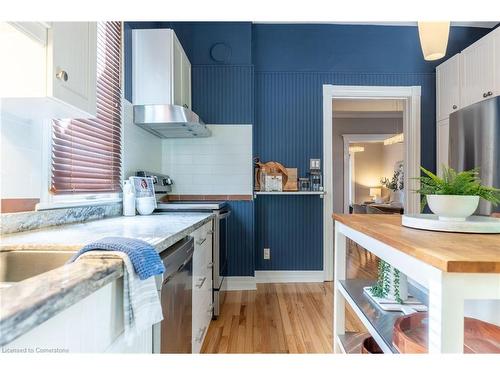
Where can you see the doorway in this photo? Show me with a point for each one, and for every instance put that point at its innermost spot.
(334, 201)
(373, 173)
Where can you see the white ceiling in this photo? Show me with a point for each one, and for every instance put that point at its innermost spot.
(483, 24)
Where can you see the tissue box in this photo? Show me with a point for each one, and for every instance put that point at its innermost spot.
(271, 182)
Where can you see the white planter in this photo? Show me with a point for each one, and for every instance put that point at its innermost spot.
(453, 207)
(398, 196)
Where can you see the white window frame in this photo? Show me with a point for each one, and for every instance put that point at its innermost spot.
(50, 201)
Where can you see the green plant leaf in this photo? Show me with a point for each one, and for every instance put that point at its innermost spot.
(456, 183)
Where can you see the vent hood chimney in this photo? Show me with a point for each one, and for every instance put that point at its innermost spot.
(161, 85)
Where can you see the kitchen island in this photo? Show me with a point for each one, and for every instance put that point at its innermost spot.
(37, 301)
(448, 267)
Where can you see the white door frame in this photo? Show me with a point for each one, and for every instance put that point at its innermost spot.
(355, 138)
(411, 128)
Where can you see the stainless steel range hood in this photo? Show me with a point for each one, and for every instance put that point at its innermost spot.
(161, 86)
(170, 121)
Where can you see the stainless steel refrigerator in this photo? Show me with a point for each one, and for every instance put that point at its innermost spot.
(475, 142)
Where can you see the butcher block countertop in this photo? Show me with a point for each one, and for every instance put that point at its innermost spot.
(449, 252)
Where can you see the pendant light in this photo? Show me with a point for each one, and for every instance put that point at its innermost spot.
(433, 39)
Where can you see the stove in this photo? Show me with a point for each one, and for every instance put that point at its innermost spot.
(191, 206)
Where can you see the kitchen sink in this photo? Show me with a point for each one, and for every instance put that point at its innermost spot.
(19, 265)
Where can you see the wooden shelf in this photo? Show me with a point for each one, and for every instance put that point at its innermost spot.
(320, 193)
(378, 322)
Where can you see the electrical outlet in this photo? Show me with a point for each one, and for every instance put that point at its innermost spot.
(267, 253)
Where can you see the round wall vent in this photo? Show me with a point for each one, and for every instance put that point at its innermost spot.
(220, 52)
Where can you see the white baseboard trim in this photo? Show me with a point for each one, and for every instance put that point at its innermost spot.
(240, 283)
(289, 276)
(263, 277)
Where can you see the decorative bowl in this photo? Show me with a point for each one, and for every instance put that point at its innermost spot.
(453, 207)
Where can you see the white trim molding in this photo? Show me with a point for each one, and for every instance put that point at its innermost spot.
(411, 128)
(263, 277)
(240, 283)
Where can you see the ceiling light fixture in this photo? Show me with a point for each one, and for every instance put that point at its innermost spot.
(398, 138)
(433, 39)
(356, 149)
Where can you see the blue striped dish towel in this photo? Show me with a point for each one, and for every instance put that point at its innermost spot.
(141, 303)
(142, 255)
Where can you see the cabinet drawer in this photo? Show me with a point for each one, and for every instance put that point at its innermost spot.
(202, 284)
(202, 257)
(202, 315)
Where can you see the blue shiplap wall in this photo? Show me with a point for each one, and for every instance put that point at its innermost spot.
(289, 128)
(291, 227)
(223, 94)
(289, 112)
(241, 239)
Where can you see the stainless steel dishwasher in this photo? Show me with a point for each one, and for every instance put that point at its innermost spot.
(174, 333)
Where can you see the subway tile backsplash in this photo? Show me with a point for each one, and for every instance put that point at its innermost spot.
(220, 164)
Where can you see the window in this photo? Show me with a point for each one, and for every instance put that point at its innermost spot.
(86, 153)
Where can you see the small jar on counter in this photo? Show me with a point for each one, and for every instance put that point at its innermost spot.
(304, 184)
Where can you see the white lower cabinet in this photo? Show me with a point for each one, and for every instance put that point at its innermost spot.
(202, 284)
(92, 325)
(442, 143)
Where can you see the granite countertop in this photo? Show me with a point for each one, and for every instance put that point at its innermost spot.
(27, 304)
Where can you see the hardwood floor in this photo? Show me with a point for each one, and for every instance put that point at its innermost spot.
(284, 318)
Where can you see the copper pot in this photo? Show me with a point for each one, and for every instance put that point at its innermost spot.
(370, 346)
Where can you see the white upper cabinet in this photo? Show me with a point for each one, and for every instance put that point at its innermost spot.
(466, 78)
(442, 143)
(186, 81)
(448, 87)
(478, 71)
(161, 69)
(50, 70)
(72, 53)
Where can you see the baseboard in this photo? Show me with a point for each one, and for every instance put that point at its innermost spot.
(263, 277)
(289, 276)
(240, 283)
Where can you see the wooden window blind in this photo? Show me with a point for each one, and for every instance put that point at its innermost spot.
(86, 153)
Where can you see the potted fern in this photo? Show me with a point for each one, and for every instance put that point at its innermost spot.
(455, 196)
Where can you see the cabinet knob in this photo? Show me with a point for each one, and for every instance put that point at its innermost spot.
(62, 75)
(454, 106)
(185, 106)
(489, 93)
(485, 95)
